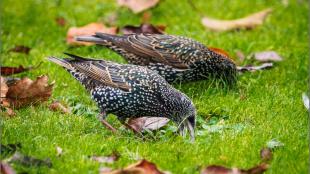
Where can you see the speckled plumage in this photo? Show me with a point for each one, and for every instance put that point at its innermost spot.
(176, 58)
(129, 91)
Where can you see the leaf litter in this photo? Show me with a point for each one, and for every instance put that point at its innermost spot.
(5, 70)
(248, 22)
(138, 6)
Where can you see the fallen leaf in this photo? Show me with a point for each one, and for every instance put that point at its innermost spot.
(29, 161)
(3, 87)
(20, 49)
(240, 55)
(306, 101)
(267, 56)
(141, 167)
(57, 106)
(143, 28)
(15, 70)
(137, 6)
(266, 154)
(215, 169)
(26, 91)
(147, 123)
(107, 159)
(247, 22)
(6, 168)
(59, 151)
(61, 21)
(274, 143)
(254, 68)
(88, 29)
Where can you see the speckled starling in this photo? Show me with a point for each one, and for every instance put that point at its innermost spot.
(130, 91)
(176, 58)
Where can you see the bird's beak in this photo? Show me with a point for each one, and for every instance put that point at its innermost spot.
(186, 125)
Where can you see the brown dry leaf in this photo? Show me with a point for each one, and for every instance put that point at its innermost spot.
(3, 87)
(57, 106)
(20, 49)
(26, 91)
(247, 22)
(137, 6)
(266, 56)
(143, 28)
(6, 168)
(107, 159)
(215, 169)
(147, 123)
(88, 29)
(141, 167)
(254, 68)
(61, 21)
(15, 70)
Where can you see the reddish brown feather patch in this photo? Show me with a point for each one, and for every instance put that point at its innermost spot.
(219, 51)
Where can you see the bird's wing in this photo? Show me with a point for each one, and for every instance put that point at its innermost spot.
(101, 71)
(172, 50)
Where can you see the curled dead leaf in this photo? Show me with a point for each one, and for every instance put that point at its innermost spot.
(57, 106)
(143, 28)
(88, 29)
(141, 167)
(215, 169)
(26, 91)
(147, 123)
(20, 49)
(247, 22)
(137, 6)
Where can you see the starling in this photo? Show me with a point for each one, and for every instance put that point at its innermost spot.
(130, 91)
(176, 58)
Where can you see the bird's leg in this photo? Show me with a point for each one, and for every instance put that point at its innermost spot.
(101, 118)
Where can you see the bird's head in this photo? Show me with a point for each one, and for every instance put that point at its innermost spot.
(184, 114)
(224, 68)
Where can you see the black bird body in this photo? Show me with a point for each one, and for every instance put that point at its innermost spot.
(129, 91)
(176, 58)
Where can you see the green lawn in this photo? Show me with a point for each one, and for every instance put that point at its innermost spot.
(265, 104)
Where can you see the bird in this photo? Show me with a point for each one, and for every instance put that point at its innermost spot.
(176, 58)
(130, 91)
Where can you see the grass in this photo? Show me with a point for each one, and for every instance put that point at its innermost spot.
(267, 104)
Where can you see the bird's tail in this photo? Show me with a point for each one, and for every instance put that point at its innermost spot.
(62, 62)
(99, 38)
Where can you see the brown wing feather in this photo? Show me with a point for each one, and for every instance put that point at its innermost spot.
(150, 48)
(101, 73)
